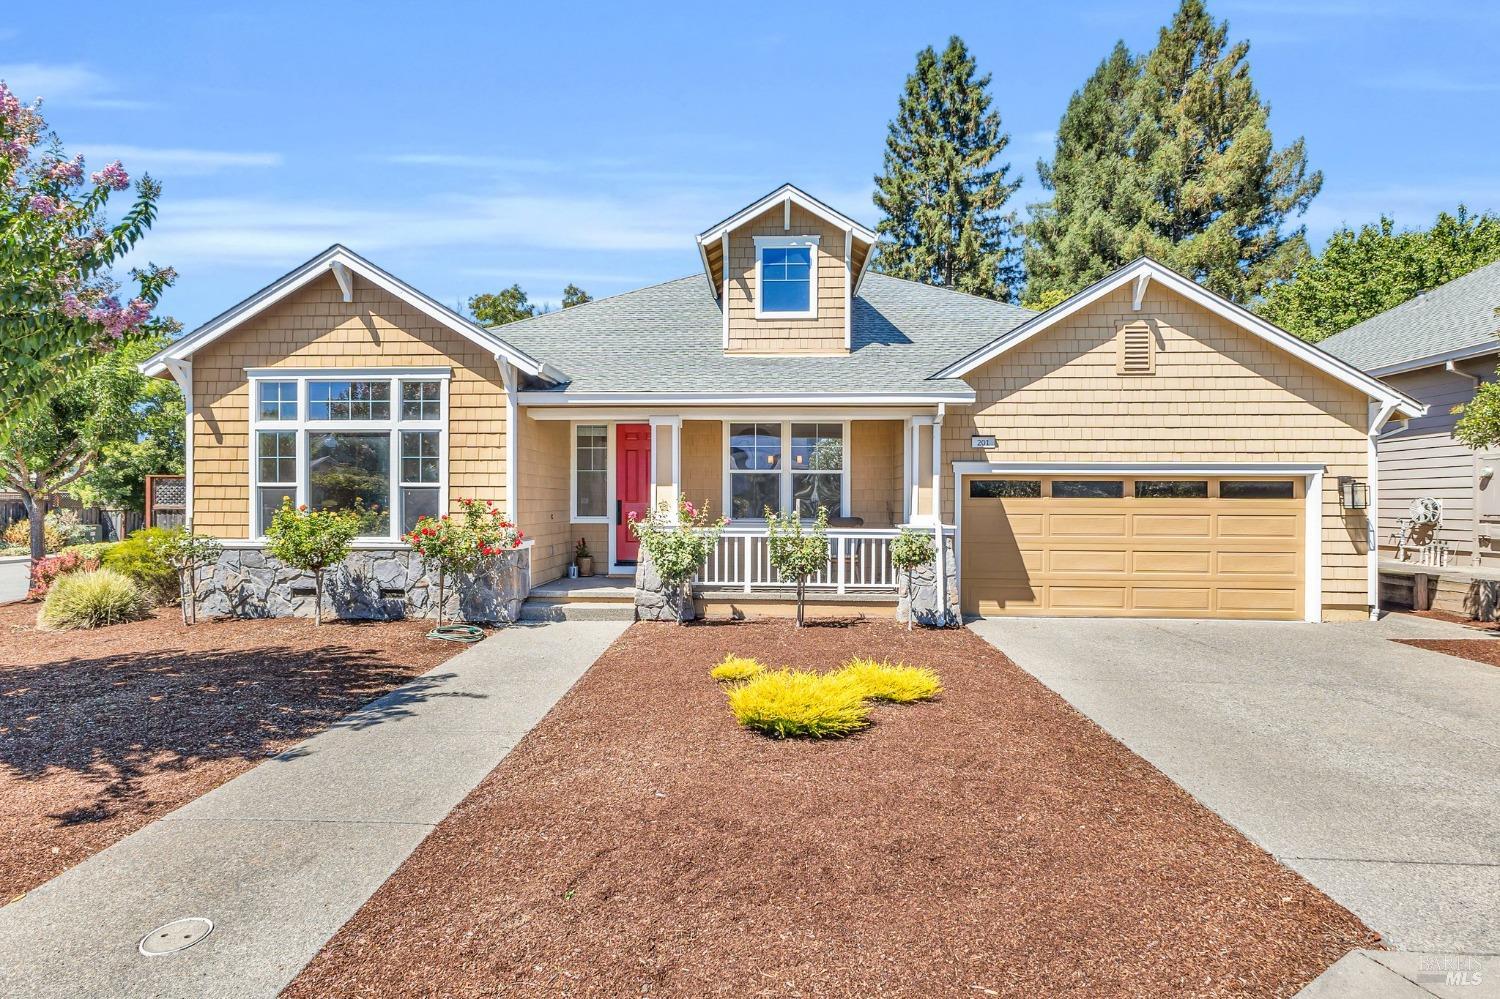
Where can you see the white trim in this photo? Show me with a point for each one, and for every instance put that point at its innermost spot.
(315, 268)
(1221, 307)
(555, 398)
(1249, 469)
(302, 426)
(334, 374)
(600, 414)
(1433, 360)
(763, 243)
(1138, 293)
(1378, 417)
(1312, 476)
(793, 195)
(508, 378)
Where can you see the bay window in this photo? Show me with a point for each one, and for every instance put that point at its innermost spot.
(369, 442)
(760, 475)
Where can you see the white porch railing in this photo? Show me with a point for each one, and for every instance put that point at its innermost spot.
(859, 561)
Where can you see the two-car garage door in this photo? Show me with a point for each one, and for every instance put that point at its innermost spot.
(1133, 546)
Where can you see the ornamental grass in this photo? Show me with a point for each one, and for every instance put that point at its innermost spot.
(898, 684)
(93, 600)
(788, 704)
(736, 669)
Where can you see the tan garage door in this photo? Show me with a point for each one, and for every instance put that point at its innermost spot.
(1133, 547)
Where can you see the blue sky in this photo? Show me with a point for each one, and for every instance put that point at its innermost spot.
(475, 145)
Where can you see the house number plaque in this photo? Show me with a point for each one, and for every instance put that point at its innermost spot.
(977, 441)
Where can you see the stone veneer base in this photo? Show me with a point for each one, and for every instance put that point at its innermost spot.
(372, 584)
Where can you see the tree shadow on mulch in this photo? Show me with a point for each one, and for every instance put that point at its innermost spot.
(117, 722)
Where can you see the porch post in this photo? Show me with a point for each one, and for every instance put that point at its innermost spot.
(666, 461)
(922, 469)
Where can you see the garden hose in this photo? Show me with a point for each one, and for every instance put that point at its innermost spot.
(456, 633)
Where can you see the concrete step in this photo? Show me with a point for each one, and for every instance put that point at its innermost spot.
(576, 610)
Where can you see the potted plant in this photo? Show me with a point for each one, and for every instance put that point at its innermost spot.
(584, 558)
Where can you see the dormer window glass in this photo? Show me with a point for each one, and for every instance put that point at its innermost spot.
(787, 277)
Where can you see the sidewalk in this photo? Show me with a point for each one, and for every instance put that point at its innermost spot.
(282, 856)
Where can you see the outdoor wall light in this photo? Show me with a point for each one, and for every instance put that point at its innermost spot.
(1354, 494)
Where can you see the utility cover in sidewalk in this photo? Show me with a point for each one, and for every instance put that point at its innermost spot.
(177, 935)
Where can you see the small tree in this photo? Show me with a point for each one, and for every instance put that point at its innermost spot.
(462, 544)
(911, 548)
(797, 553)
(185, 552)
(311, 541)
(678, 544)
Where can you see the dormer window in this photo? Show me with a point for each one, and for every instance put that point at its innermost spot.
(786, 277)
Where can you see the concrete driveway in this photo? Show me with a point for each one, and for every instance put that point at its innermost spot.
(1371, 768)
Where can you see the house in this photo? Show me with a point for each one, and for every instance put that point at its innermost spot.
(1439, 527)
(1436, 348)
(1144, 448)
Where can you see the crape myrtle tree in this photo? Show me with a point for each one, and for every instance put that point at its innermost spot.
(1170, 155)
(61, 310)
(944, 187)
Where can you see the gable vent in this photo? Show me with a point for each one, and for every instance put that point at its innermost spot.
(1137, 351)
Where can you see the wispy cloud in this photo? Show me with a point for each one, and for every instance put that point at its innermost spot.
(1409, 204)
(1432, 82)
(469, 161)
(242, 230)
(72, 83)
(179, 162)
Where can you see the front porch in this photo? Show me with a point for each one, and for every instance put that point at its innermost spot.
(590, 471)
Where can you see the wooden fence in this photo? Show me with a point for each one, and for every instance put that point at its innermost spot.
(166, 500)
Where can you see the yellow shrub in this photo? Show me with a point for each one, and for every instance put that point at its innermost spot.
(789, 703)
(735, 669)
(901, 683)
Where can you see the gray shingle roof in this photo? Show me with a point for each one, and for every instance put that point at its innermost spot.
(668, 338)
(1456, 316)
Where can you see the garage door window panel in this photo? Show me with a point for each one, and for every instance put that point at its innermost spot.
(1171, 488)
(1258, 489)
(1088, 488)
(1005, 488)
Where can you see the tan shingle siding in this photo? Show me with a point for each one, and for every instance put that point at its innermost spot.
(1218, 395)
(821, 335)
(315, 328)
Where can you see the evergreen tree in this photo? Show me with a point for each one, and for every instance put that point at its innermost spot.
(1218, 194)
(1082, 233)
(505, 306)
(1170, 155)
(943, 191)
(1362, 274)
(574, 295)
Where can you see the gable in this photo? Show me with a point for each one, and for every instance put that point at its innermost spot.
(1146, 275)
(1207, 379)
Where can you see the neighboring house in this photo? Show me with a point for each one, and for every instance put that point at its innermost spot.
(1436, 348)
(1144, 448)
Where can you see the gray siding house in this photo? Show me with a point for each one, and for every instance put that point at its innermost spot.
(1436, 348)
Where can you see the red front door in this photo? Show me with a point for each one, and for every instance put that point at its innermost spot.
(632, 485)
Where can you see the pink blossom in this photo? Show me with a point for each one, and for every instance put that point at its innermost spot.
(65, 171)
(113, 177)
(43, 205)
(72, 306)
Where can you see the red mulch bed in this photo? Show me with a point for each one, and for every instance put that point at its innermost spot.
(102, 731)
(991, 842)
(1480, 650)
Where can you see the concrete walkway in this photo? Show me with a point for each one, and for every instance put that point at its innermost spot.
(1370, 768)
(282, 856)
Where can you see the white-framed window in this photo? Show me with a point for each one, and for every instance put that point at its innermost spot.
(787, 465)
(591, 473)
(786, 277)
(372, 441)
